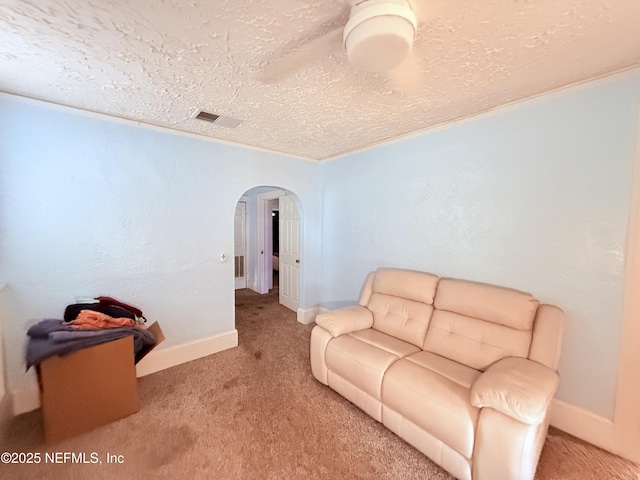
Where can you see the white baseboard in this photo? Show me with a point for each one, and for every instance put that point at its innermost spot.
(583, 424)
(162, 359)
(307, 316)
(28, 399)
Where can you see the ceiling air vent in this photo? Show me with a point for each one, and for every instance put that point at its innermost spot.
(221, 121)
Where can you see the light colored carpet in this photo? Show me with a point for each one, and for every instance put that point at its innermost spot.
(256, 412)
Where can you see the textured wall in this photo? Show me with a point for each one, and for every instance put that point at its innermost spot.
(90, 206)
(534, 197)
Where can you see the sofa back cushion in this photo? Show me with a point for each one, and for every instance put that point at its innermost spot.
(478, 324)
(402, 303)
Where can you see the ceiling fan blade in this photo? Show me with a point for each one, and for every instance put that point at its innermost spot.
(408, 76)
(301, 56)
(426, 10)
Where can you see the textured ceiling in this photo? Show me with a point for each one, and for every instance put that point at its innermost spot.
(160, 62)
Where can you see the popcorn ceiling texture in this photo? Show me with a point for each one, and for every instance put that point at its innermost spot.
(161, 62)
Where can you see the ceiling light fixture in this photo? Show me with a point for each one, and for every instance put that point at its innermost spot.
(379, 34)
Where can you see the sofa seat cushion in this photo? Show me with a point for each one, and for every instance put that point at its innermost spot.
(363, 357)
(433, 393)
(454, 371)
(385, 342)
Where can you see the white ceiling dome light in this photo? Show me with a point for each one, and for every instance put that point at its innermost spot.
(379, 34)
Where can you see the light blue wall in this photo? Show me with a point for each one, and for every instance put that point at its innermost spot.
(534, 196)
(91, 206)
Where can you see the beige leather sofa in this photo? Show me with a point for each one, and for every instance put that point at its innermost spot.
(463, 371)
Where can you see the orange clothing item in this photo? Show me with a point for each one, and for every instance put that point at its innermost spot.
(92, 319)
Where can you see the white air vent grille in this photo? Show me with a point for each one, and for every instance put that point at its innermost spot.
(208, 117)
(239, 264)
(219, 120)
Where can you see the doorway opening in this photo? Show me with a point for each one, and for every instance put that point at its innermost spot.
(268, 241)
(275, 250)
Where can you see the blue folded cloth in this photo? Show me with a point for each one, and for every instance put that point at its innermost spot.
(55, 337)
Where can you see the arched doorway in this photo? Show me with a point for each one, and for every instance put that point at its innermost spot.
(268, 253)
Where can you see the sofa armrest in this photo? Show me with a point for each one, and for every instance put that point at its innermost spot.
(517, 387)
(346, 320)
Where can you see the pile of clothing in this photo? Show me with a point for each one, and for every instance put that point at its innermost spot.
(86, 325)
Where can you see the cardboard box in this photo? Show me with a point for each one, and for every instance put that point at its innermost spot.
(90, 387)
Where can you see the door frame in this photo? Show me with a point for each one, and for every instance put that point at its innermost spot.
(264, 218)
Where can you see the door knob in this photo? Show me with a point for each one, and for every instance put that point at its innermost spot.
(297, 260)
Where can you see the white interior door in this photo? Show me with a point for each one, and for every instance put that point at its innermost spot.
(240, 246)
(289, 253)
